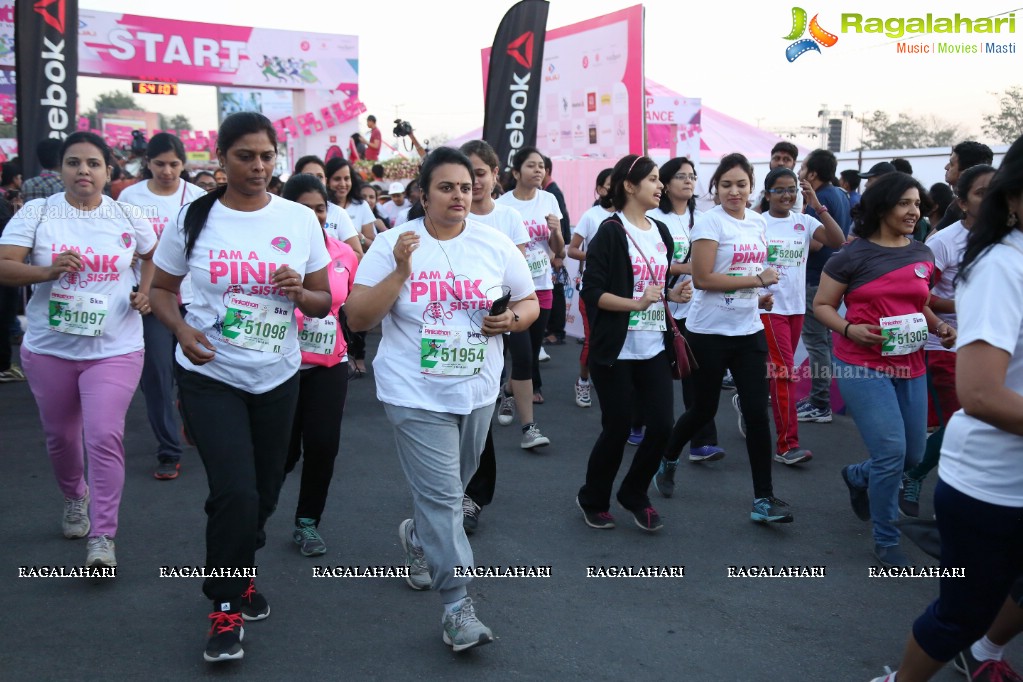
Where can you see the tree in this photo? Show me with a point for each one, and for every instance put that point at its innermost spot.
(180, 122)
(908, 132)
(1007, 124)
(111, 101)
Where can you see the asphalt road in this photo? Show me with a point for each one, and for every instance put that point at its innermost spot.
(705, 626)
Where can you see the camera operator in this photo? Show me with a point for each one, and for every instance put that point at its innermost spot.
(404, 129)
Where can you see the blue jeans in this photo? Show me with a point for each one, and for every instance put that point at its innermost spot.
(891, 415)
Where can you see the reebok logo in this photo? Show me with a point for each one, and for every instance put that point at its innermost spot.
(46, 8)
(520, 49)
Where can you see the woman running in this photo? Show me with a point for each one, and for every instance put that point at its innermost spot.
(339, 225)
(162, 199)
(323, 379)
(948, 247)
(729, 248)
(83, 349)
(884, 279)
(979, 495)
(789, 236)
(583, 232)
(542, 219)
(627, 263)
(485, 167)
(432, 283)
(238, 354)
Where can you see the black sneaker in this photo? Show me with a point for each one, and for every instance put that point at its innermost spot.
(253, 604)
(226, 633)
(984, 671)
(646, 518)
(909, 497)
(598, 520)
(858, 497)
(167, 471)
(664, 479)
(470, 514)
(770, 510)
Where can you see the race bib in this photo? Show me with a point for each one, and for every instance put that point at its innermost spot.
(256, 323)
(744, 270)
(537, 261)
(787, 253)
(903, 334)
(681, 249)
(650, 320)
(80, 314)
(452, 351)
(318, 336)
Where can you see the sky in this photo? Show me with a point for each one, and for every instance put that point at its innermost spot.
(420, 59)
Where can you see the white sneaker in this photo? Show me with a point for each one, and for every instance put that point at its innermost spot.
(506, 412)
(462, 629)
(532, 438)
(582, 394)
(76, 516)
(101, 552)
(543, 355)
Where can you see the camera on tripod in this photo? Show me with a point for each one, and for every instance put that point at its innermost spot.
(402, 128)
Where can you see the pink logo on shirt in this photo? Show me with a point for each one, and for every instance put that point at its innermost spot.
(661, 248)
(339, 267)
(126, 240)
(281, 244)
(798, 227)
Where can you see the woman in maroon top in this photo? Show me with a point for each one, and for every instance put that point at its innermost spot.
(884, 277)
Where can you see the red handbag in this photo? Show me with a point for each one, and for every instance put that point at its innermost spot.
(680, 355)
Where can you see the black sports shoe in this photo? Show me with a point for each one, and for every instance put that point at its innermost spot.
(770, 510)
(599, 520)
(858, 497)
(984, 671)
(226, 634)
(470, 514)
(646, 518)
(253, 604)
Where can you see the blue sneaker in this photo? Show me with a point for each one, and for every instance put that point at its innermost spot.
(635, 436)
(706, 453)
(664, 480)
(770, 510)
(808, 412)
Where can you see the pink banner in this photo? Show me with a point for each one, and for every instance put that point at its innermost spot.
(591, 99)
(316, 122)
(148, 48)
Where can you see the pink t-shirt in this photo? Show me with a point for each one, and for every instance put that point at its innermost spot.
(341, 273)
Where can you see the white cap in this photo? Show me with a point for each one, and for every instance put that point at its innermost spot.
(396, 188)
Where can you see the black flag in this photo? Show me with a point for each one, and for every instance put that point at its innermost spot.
(46, 44)
(513, 80)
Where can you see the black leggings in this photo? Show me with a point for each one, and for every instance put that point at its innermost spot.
(316, 435)
(648, 383)
(525, 350)
(481, 485)
(356, 340)
(746, 357)
(242, 440)
(9, 298)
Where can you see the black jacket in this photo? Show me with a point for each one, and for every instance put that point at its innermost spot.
(609, 270)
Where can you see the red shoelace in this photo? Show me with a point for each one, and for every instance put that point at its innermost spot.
(225, 622)
(997, 671)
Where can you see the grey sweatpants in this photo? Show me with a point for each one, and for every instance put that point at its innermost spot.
(439, 453)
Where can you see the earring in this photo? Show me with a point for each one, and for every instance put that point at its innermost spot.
(1013, 219)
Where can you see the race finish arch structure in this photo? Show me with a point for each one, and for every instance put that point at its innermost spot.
(306, 83)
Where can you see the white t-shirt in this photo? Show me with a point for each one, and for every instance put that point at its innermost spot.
(339, 225)
(507, 221)
(452, 286)
(589, 222)
(390, 210)
(162, 211)
(360, 213)
(643, 345)
(534, 216)
(976, 458)
(235, 254)
(402, 216)
(788, 242)
(678, 225)
(106, 238)
(948, 247)
(742, 250)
